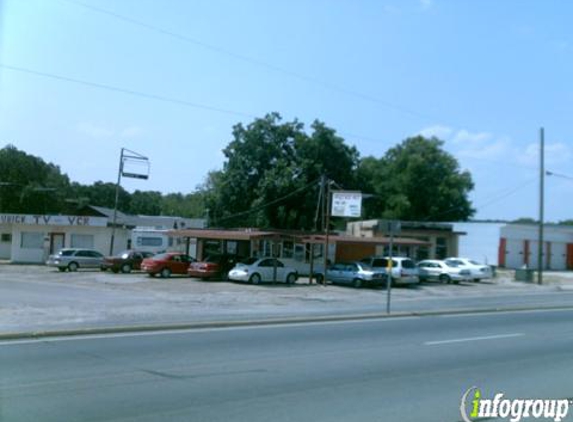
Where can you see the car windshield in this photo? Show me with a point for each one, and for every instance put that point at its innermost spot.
(407, 263)
(161, 256)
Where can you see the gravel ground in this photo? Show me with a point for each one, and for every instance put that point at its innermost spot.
(41, 298)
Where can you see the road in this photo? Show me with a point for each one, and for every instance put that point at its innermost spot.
(404, 369)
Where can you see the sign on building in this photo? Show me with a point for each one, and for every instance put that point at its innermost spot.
(346, 204)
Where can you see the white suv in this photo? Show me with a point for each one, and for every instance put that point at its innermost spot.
(404, 270)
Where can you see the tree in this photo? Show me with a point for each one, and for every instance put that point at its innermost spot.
(271, 173)
(417, 180)
(29, 184)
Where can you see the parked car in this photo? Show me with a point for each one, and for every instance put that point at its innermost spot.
(404, 270)
(72, 259)
(256, 270)
(166, 264)
(442, 271)
(214, 266)
(125, 261)
(478, 271)
(356, 274)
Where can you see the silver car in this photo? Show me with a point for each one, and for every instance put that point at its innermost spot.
(478, 271)
(356, 274)
(72, 259)
(404, 271)
(442, 271)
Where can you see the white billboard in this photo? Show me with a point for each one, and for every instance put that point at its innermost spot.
(346, 204)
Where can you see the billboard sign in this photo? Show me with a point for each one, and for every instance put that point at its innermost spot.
(346, 204)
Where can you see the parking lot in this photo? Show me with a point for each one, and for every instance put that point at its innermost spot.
(39, 298)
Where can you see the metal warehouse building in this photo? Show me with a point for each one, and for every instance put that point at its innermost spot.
(518, 247)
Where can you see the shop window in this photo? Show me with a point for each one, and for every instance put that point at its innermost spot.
(6, 237)
(32, 240)
(288, 249)
(148, 241)
(441, 248)
(82, 241)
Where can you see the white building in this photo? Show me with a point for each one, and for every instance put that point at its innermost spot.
(26, 238)
(481, 241)
(518, 246)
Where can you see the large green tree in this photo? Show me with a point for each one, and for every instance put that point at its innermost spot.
(271, 174)
(416, 180)
(28, 183)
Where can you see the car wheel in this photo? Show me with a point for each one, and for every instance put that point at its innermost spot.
(62, 269)
(165, 273)
(151, 274)
(444, 278)
(357, 283)
(114, 270)
(255, 279)
(126, 268)
(103, 269)
(291, 278)
(73, 266)
(319, 278)
(476, 280)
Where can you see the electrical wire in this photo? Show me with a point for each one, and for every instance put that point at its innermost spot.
(268, 204)
(251, 60)
(128, 91)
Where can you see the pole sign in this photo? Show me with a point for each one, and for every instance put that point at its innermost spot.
(346, 204)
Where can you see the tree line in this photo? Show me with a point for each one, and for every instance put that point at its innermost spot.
(270, 178)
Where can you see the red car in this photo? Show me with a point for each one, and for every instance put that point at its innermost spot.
(214, 266)
(166, 264)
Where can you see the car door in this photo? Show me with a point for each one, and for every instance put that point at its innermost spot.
(266, 268)
(335, 273)
(349, 273)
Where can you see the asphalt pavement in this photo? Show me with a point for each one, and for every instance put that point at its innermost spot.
(403, 369)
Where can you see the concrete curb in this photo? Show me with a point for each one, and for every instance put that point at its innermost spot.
(32, 335)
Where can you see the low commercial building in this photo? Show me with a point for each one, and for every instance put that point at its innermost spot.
(27, 238)
(439, 240)
(518, 246)
(300, 250)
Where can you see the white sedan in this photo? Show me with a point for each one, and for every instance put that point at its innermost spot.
(437, 270)
(477, 271)
(254, 270)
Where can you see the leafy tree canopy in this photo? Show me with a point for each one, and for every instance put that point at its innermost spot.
(416, 180)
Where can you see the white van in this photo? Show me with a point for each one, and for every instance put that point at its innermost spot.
(404, 270)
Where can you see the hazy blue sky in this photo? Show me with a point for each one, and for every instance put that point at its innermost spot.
(481, 75)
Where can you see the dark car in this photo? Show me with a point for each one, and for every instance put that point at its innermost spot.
(125, 261)
(213, 267)
(166, 264)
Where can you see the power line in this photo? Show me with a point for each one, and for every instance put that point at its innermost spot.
(268, 204)
(251, 60)
(128, 91)
(563, 176)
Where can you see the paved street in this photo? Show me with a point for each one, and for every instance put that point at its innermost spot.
(36, 298)
(408, 369)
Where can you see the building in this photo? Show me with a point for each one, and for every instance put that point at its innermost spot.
(439, 240)
(518, 246)
(26, 238)
(480, 242)
(301, 250)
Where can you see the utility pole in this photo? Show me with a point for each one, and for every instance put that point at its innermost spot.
(326, 227)
(114, 221)
(541, 205)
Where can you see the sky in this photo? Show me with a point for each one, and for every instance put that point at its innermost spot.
(81, 79)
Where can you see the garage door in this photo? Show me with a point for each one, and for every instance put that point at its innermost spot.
(514, 253)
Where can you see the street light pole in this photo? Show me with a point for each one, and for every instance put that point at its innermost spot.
(541, 205)
(114, 221)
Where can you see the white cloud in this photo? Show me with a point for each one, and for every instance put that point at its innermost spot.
(101, 132)
(439, 131)
(466, 137)
(131, 132)
(556, 153)
(426, 4)
(94, 131)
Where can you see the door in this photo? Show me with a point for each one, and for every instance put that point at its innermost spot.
(57, 241)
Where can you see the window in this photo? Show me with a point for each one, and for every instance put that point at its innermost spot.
(32, 240)
(82, 241)
(288, 249)
(6, 237)
(441, 248)
(149, 241)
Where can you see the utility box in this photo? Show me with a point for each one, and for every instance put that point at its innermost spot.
(524, 275)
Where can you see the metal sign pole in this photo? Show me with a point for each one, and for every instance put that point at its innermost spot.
(389, 276)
